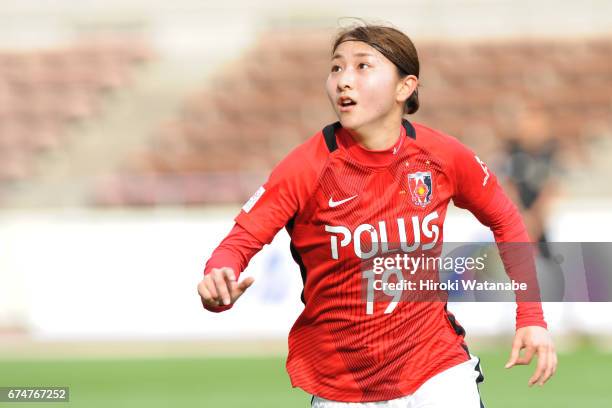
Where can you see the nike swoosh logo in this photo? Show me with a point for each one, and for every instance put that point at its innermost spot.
(333, 203)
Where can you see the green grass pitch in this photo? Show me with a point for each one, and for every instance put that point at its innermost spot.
(582, 380)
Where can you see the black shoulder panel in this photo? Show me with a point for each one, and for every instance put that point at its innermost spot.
(329, 133)
(410, 132)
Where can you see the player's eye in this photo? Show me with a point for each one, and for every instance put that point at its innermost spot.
(336, 68)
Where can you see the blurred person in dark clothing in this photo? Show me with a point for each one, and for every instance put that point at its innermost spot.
(532, 171)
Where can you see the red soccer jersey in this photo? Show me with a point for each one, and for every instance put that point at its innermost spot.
(339, 201)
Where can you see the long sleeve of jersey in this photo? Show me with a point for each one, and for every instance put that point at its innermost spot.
(235, 251)
(478, 191)
(269, 209)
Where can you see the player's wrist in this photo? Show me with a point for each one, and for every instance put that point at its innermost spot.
(527, 323)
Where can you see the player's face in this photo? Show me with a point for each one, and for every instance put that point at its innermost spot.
(361, 73)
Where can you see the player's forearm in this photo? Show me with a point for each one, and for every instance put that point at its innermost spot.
(517, 254)
(235, 251)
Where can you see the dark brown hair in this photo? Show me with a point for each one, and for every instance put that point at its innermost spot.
(394, 45)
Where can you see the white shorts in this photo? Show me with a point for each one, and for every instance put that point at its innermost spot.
(455, 387)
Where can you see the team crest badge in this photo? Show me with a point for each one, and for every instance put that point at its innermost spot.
(420, 185)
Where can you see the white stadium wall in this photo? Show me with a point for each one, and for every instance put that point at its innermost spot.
(133, 275)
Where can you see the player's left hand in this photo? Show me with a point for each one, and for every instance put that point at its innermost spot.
(534, 339)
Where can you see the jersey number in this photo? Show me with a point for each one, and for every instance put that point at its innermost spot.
(372, 279)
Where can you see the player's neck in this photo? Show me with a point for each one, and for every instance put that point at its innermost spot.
(377, 136)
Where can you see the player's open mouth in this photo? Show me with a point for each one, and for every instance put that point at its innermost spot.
(346, 104)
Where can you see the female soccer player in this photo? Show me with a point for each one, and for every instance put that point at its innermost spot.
(368, 180)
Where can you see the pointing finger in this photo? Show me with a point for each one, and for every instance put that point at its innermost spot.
(228, 273)
(221, 286)
(514, 354)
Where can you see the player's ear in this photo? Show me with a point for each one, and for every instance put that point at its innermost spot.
(405, 87)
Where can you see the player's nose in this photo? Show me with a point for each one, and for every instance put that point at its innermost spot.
(345, 80)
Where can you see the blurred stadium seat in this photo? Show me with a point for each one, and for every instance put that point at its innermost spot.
(258, 107)
(44, 92)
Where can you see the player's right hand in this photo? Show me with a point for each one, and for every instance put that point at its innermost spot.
(219, 287)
